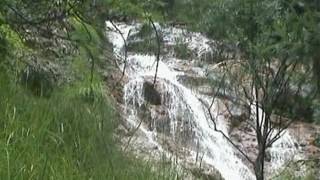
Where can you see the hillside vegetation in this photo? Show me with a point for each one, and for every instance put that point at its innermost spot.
(56, 116)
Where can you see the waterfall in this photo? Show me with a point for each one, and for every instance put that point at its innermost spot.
(186, 116)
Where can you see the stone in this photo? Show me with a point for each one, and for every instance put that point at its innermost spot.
(151, 95)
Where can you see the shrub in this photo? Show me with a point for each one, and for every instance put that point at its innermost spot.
(295, 106)
(144, 41)
(182, 51)
(146, 46)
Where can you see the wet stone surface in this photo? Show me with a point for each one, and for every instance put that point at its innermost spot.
(151, 94)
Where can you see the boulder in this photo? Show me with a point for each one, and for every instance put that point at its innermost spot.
(151, 95)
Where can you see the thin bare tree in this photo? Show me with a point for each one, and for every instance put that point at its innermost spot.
(258, 86)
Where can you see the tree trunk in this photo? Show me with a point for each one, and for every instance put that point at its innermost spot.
(259, 164)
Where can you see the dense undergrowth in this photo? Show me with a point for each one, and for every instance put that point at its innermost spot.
(68, 135)
(61, 137)
(56, 118)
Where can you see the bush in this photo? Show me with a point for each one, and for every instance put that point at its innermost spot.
(295, 106)
(147, 46)
(182, 51)
(144, 41)
(145, 31)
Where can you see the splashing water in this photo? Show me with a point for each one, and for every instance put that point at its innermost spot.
(183, 106)
(282, 150)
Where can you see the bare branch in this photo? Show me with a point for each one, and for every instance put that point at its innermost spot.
(215, 125)
(133, 133)
(279, 133)
(158, 49)
(223, 134)
(125, 48)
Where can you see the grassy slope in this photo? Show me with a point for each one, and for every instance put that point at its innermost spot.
(65, 135)
(60, 137)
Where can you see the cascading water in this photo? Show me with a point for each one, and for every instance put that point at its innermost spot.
(187, 116)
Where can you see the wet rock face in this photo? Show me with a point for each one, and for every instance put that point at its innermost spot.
(162, 121)
(145, 115)
(156, 116)
(151, 95)
(113, 79)
(192, 81)
(306, 138)
(207, 57)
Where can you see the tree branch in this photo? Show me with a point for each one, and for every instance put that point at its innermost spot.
(125, 48)
(158, 49)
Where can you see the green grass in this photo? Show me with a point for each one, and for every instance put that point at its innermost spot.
(289, 175)
(61, 137)
(146, 41)
(68, 134)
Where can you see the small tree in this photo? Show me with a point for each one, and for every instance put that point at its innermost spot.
(258, 88)
(272, 46)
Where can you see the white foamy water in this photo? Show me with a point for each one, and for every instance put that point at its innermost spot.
(283, 150)
(183, 104)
